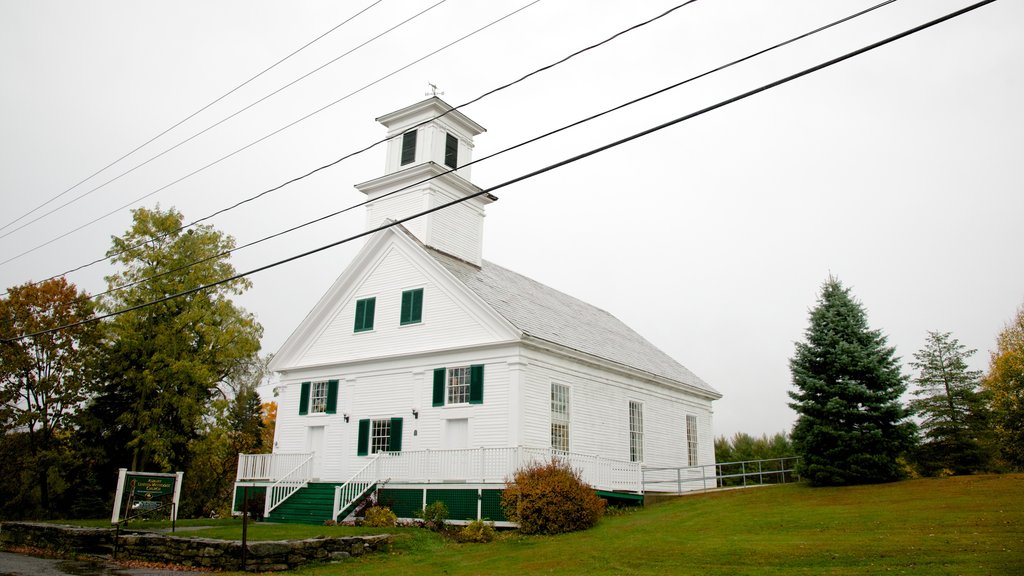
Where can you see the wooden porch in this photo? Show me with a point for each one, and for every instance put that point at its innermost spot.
(284, 474)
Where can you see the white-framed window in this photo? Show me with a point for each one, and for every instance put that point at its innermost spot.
(461, 385)
(380, 433)
(559, 417)
(691, 439)
(318, 397)
(458, 385)
(636, 431)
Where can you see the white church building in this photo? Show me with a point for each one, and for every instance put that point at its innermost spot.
(428, 373)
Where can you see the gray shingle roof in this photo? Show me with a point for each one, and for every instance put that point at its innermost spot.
(545, 313)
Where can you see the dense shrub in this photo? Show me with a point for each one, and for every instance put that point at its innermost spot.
(379, 517)
(477, 531)
(434, 515)
(550, 499)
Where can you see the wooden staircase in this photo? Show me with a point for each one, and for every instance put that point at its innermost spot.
(309, 505)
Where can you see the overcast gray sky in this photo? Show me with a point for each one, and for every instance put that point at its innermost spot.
(899, 171)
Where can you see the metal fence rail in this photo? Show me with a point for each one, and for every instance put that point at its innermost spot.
(722, 475)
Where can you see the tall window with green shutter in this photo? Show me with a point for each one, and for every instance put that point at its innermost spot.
(318, 397)
(408, 147)
(364, 314)
(461, 385)
(412, 306)
(451, 152)
(379, 435)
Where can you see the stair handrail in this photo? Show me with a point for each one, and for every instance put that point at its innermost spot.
(356, 486)
(284, 487)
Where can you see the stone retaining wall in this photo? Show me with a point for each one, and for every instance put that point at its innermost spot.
(204, 552)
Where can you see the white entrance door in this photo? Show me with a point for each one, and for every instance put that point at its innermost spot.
(315, 444)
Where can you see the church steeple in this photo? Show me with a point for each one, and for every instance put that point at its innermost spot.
(425, 143)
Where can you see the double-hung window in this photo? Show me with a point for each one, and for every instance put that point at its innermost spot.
(559, 417)
(458, 385)
(364, 314)
(319, 397)
(462, 385)
(636, 432)
(412, 306)
(691, 439)
(379, 435)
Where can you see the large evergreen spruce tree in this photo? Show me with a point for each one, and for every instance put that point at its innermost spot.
(851, 427)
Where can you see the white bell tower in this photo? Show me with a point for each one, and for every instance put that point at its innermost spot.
(429, 143)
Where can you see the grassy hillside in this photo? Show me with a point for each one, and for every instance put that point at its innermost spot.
(963, 525)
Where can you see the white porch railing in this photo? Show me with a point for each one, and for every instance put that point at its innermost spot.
(290, 483)
(290, 472)
(482, 465)
(267, 467)
(356, 487)
(495, 465)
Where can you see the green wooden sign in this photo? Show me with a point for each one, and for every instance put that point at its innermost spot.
(140, 493)
(150, 487)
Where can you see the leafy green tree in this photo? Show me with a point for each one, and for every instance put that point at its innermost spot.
(165, 363)
(851, 427)
(951, 407)
(44, 379)
(1005, 383)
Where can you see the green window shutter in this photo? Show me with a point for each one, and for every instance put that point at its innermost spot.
(371, 303)
(332, 397)
(439, 387)
(363, 446)
(304, 399)
(476, 384)
(451, 151)
(412, 306)
(364, 314)
(408, 147)
(395, 436)
(360, 314)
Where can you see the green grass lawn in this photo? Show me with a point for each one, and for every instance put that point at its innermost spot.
(962, 525)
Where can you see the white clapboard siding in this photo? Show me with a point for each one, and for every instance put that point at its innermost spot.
(599, 412)
(447, 320)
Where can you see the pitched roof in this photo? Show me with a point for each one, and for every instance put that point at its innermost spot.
(547, 314)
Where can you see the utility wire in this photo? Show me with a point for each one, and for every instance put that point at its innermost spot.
(370, 146)
(275, 132)
(222, 120)
(529, 175)
(179, 123)
(492, 155)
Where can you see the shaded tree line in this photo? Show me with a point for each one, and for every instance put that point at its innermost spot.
(852, 425)
(161, 388)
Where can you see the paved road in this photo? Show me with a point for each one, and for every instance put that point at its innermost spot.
(21, 565)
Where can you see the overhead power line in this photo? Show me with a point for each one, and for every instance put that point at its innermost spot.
(494, 154)
(370, 146)
(271, 134)
(532, 174)
(222, 120)
(179, 123)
